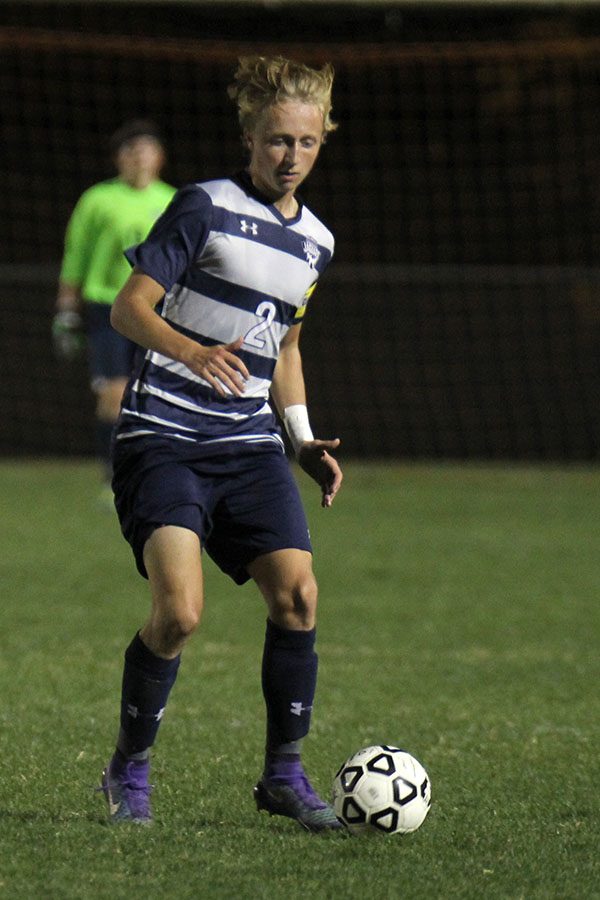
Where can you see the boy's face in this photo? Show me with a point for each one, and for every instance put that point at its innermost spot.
(140, 160)
(284, 146)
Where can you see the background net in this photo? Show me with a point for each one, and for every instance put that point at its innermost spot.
(460, 317)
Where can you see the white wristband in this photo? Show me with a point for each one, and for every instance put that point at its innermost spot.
(295, 419)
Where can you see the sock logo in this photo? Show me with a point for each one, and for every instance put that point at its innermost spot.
(297, 709)
(134, 712)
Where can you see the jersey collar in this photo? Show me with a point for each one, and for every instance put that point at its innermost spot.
(245, 182)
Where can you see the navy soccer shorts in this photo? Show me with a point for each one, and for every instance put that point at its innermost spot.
(241, 500)
(110, 354)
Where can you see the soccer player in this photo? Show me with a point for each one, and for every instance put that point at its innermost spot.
(108, 218)
(217, 295)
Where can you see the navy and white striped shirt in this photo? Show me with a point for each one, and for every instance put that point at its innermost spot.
(230, 265)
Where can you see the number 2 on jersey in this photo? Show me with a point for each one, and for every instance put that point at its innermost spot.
(254, 337)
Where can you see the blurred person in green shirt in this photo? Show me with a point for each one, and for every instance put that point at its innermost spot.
(108, 218)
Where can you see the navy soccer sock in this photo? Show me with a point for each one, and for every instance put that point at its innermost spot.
(147, 682)
(289, 679)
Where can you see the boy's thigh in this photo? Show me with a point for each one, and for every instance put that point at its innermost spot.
(261, 512)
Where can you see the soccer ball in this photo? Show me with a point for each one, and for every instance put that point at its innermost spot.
(381, 789)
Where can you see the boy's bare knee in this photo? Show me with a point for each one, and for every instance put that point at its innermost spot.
(172, 622)
(294, 606)
(184, 622)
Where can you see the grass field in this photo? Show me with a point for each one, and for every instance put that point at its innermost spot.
(459, 619)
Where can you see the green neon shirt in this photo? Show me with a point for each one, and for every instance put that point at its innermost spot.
(108, 218)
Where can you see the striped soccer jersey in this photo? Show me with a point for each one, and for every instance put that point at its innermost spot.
(231, 265)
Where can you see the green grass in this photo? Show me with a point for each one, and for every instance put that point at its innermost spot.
(459, 618)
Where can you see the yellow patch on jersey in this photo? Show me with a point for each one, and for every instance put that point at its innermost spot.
(302, 309)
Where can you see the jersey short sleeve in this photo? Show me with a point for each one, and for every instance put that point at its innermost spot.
(176, 239)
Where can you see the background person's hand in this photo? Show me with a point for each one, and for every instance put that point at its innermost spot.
(68, 338)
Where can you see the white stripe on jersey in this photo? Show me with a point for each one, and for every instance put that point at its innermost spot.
(253, 388)
(144, 432)
(156, 419)
(176, 400)
(266, 273)
(222, 322)
(248, 438)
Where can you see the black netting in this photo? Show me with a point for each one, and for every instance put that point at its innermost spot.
(459, 317)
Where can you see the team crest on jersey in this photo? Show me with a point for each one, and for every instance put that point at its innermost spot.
(312, 252)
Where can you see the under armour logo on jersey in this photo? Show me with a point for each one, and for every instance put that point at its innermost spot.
(297, 709)
(251, 227)
(311, 249)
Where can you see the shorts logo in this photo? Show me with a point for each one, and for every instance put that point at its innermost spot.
(312, 252)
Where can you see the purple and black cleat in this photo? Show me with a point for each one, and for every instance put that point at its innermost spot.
(294, 796)
(127, 792)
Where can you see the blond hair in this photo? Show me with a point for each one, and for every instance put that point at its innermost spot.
(262, 81)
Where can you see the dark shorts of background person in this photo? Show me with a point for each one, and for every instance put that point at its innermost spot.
(110, 355)
(241, 501)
